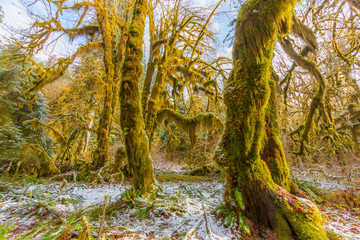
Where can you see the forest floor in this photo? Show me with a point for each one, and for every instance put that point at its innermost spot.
(187, 207)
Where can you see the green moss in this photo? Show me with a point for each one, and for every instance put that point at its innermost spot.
(248, 117)
(205, 121)
(164, 178)
(305, 219)
(205, 170)
(136, 140)
(282, 227)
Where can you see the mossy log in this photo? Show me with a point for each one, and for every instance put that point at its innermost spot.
(131, 117)
(249, 183)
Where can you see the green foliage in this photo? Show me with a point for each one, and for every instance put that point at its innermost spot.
(238, 198)
(10, 141)
(232, 218)
(4, 230)
(312, 191)
(228, 215)
(15, 110)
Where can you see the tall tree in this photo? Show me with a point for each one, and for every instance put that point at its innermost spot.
(249, 184)
(131, 116)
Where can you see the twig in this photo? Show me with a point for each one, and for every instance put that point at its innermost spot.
(190, 233)
(103, 216)
(208, 228)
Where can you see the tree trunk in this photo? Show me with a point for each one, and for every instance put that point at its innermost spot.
(249, 184)
(354, 121)
(153, 105)
(101, 153)
(151, 66)
(273, 153)
(132, 123)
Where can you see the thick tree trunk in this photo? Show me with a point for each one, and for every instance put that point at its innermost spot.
(246, 96)
(132, 123)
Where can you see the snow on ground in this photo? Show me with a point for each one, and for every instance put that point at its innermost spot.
(343, 222)
(182, 211)
(95, 194)
(197, 199)
(334, 178)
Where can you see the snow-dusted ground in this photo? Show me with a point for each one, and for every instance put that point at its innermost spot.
(182, 211)
(334, 178)
(197, 200)
(344, 223)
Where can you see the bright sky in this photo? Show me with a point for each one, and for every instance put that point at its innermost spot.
(15, 17)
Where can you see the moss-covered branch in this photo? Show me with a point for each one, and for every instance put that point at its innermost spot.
(191, 125)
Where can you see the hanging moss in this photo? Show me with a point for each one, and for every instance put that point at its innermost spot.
(191, 125)
(304, 32)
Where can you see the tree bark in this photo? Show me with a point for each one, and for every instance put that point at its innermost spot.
(249, 183)
(101, 153)
(273, 153)
(132, 123)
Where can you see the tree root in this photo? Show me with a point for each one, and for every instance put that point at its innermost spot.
(297, 217)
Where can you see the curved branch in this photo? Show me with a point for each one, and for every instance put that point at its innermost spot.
(191, 125)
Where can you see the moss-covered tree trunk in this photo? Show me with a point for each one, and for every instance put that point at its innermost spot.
(153, 105)
(151, 66)
(248, 180)
(273, 153)
(132, 123)
(102, 151)
(354, 121)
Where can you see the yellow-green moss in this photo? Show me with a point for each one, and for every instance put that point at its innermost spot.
(132, 123)
(205, 121)
(164, 178)
(246, 96)
(305, 220)
(273, 153)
